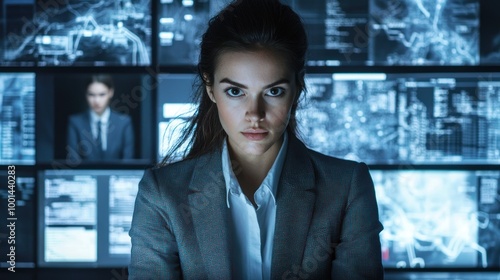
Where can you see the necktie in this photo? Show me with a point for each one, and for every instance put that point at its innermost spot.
(98, 140)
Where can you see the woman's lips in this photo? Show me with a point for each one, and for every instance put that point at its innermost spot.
(255, 134)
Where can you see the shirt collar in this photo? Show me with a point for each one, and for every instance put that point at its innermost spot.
(271, 180)
(103, 118)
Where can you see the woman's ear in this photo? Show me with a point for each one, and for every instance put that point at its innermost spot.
(208, 87)
(210, 93)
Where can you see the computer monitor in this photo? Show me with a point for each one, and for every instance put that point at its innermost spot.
(180, 27)
(68, 109)
(438, 218)
(424, 33)
(175, 107)
(76, 33)
(360, 32)
(17, 118)
(337, 31)
(18, 212)
(350, 116)
(417, 118)
(333, 29)
(490, 33)
(17, 29)
(84, 217)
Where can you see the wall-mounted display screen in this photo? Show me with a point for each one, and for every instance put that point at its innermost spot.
(412, 32)
(380, 118)
(437, 219)
(94, 118)
(175, 107)
(360, 32)
(85, 216)
(17, 118)
(20, 224)
(75, 33)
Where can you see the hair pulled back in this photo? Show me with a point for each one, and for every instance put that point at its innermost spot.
(243, 25)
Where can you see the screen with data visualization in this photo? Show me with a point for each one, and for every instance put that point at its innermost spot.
(75, 33)
(85, 216)
(357, 32)
(433, 118)
(17, 118)
(415, 32)
(21, 236)
(436, 218)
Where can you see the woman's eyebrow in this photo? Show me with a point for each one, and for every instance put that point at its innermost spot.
(229, 81)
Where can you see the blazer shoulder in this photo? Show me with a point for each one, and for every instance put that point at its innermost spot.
(119, 116)
(81, 115)
(326, 161)
(78, 117)
(174, 176)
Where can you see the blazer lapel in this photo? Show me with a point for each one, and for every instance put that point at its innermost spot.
(295, 203)
(207, 200)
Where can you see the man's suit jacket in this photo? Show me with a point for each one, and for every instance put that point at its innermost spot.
(327, 222)
(82, 145)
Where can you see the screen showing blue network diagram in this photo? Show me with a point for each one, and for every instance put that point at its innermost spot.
(79, 33)
(85, 216)
(421, 32)
(437, 218)
(433, 118)
(17, 118)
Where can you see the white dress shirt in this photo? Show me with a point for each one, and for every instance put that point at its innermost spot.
(253, 228)
(104, 118)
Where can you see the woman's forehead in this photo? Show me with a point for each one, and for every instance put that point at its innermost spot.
(264, 64)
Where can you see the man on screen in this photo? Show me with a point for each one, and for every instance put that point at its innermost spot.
(100, 133)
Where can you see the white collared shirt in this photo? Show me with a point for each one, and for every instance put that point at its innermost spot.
(104, 118)
(253, 229)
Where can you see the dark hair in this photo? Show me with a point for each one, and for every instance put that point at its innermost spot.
(105, 79)
(244, 25)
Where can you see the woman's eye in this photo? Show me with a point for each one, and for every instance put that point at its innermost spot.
(234, 92)
(276, 91)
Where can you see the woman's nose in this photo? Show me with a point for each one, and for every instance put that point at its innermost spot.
(255, 111)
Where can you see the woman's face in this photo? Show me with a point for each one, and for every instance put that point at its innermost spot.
(98, 97)
(254, 93)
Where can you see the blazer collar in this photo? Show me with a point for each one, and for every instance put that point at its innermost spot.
(295, 203)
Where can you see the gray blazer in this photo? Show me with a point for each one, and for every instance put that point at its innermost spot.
(82, 146)
(327, 223)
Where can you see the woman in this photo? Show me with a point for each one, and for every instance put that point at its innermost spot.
(249, 200)
(100, 134)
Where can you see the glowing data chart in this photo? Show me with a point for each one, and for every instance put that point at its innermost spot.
(438, 218)
(80, 33)
(17, 118)
(433, 118)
